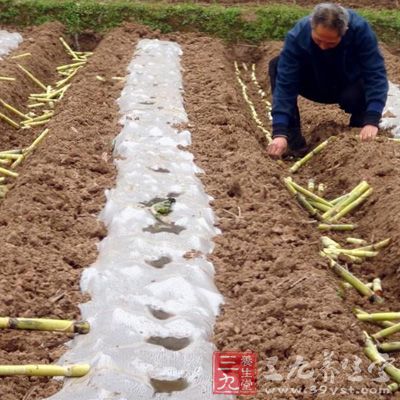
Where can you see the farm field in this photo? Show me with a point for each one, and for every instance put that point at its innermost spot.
(389, 4)
(281, 298)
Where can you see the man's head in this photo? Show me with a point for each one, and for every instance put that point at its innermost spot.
(329, 23)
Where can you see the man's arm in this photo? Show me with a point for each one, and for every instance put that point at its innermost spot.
(375, 79)
(284, 96)
(286, 87)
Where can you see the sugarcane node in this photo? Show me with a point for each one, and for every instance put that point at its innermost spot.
(376, 299)
(81, 327)
(12, 323)
(306, 205)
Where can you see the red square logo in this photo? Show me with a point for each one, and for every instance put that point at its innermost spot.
(234, 372)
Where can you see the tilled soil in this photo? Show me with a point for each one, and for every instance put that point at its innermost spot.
(49, 226)
(281, 300)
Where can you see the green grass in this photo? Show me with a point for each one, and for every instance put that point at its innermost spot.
(246, 23)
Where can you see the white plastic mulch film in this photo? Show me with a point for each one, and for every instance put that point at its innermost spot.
(392, 110)
(153, 299)
(8, 42)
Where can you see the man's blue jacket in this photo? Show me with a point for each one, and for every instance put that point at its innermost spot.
(360, 58)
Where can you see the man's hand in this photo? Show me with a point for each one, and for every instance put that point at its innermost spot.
(369, 132)
(277, 147)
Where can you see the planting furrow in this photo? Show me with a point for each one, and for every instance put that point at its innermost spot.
(48, 219)
(281, 301)
(43, 52)
(340, 165)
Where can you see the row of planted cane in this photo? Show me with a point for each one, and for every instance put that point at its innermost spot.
(43, 103)
(9, 160)
(330, 212)
(262, 97)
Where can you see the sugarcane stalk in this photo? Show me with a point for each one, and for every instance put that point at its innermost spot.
(6, 78)
(38, 95)
(311, 185)
(34, 79)
(356, 253)
(69, 50)
(84, 53)
(384, 324)
(36, 142)
(11, 108)
(371, 351)
(336, 227)
(17, 162)
(309, 194)
(328, 242)
(387, 332)
(335, 253)
(60, 91)
(43, 324)
(75, 371)
(8, 172)
(289, 186)
(68, 66)
(350, 278)
(321, 189)
(338, 199)
(36, 105)
(64, 81)
(9, 156)
(353, 195)
(37, 123)
(376, 246)
(345, 285)
(9, 120)
(5, 162)
(351, 206)
(21, 56)
(394, 387)
(389, 347)
(355, 259)
(306, 205)
(3, 191)
(319, 206)
(308, 156)
(45, 115)
(41, 99)
(356, 241)
(14, 151)
(377, 286)
(381, 316)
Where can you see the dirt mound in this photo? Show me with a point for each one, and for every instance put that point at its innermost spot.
(281, 299)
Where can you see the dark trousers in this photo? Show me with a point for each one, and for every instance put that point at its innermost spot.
(350, 98)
